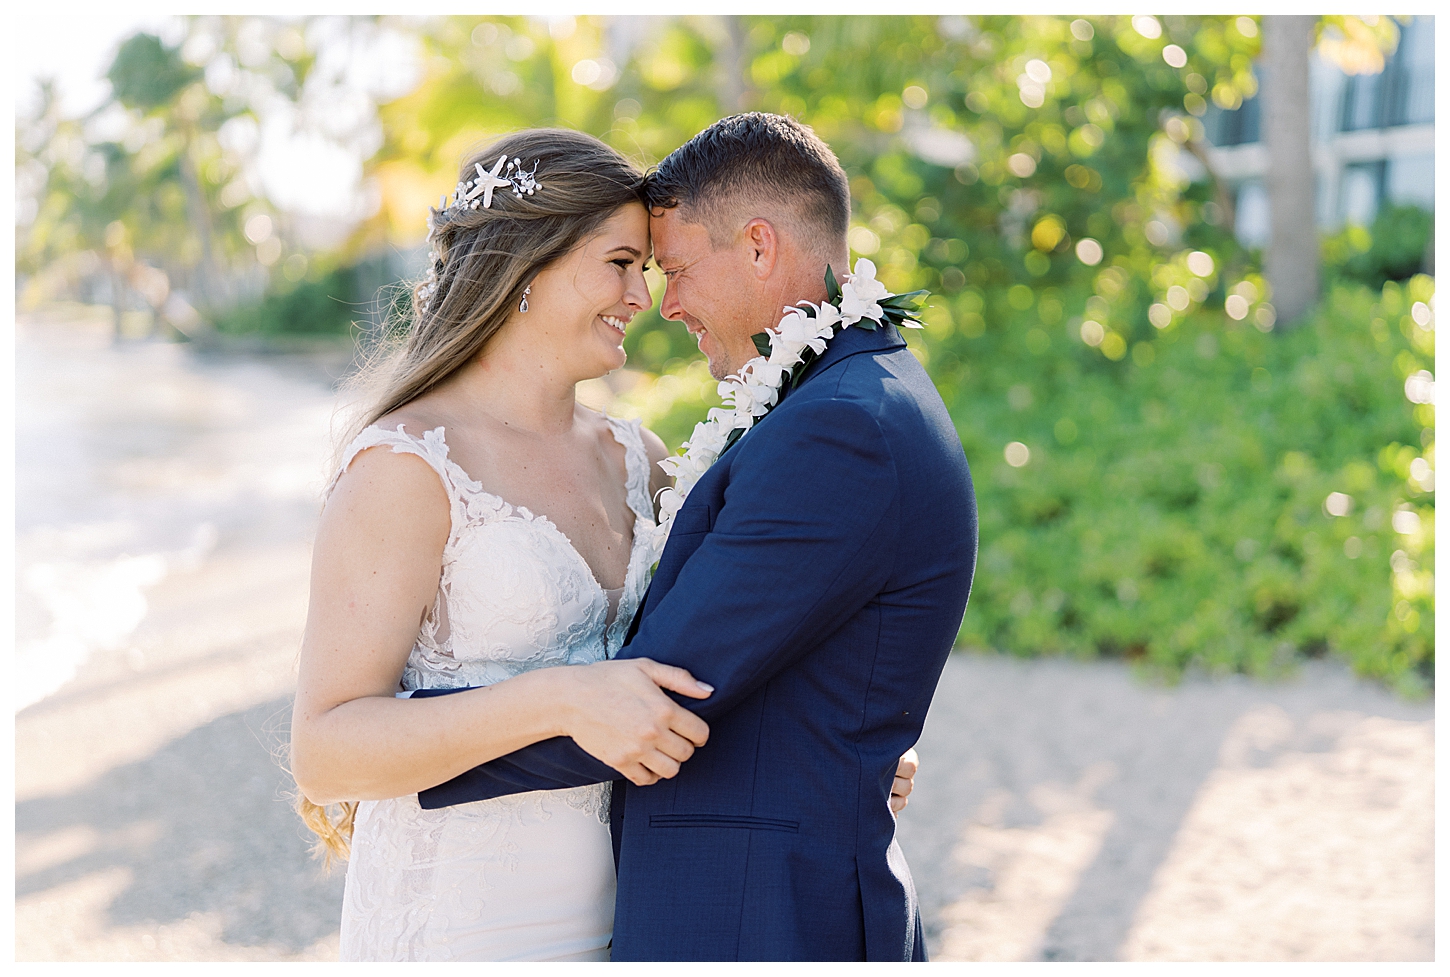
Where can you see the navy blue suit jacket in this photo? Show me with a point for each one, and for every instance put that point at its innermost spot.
(816, 577)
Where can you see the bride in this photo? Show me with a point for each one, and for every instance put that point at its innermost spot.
(481, 526)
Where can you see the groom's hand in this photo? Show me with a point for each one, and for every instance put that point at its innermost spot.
(616, 712)
(905, 777)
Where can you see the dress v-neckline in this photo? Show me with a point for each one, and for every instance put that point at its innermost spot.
(474, 486)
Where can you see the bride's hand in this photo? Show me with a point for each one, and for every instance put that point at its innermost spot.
(905, 779)
(616, 712)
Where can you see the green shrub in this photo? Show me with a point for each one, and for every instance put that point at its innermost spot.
(329, 303)
(1174, 508)
(1391, 249)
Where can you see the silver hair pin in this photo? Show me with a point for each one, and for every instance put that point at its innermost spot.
(430, 284)
(524, 302)
(469, 195)
(478, 192)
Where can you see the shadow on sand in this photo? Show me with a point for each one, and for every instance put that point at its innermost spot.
(1001, 730)
(204, 825)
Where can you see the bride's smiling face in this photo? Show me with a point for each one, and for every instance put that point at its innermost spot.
(579, 305)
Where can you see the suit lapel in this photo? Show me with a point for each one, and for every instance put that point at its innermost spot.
(853, 340)
(638, 613)
(847, 342)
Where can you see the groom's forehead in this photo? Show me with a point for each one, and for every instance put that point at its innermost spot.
(672, 237)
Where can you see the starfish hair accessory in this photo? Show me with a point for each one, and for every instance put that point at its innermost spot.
(505, 174)
(474, 193)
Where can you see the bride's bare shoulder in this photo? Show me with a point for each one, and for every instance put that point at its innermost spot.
(380, 478)
(415, 419)
(387, 514)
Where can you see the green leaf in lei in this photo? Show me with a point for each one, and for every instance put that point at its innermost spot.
(807, 358)
(833, 287)
(907, 301)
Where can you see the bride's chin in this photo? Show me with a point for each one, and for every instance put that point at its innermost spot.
(607, 365)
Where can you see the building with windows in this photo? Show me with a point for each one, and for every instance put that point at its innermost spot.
(1374, 140)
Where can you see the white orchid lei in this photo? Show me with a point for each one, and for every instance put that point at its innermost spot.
(785, 352)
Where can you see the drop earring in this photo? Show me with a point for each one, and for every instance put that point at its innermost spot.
(524, 302)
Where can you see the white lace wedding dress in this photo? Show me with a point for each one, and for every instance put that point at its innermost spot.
(527, 877)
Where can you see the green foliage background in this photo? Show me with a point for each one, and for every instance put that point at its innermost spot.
(1173, 507)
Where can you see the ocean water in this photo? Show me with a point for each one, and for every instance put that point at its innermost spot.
(137, 462)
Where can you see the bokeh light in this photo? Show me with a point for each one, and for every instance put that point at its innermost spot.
(1200, 264)
(1089, 252)
(797, 44)
(1406, 522)
(1420, 387)
(1148, 27)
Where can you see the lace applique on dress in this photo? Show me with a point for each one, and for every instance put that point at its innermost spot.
(514, 595)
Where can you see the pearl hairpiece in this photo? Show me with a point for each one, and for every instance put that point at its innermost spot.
(469, 195)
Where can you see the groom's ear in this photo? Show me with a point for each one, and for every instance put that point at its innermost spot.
(762, 246)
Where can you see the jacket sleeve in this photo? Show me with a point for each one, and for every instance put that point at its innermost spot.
(802, 542)
(547, 765)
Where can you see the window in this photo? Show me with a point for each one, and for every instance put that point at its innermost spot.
(1402, 94)
(1251, 214)
(1235, 127)
(1360, 191)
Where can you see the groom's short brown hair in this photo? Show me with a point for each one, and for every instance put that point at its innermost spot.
(757, 158)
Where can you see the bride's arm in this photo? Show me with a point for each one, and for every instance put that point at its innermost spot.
(375, 572)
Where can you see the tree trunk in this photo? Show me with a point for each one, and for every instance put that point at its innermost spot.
(731, 63)
(1292, 262)
(1221, 195)
(208, 279)
(118, 300)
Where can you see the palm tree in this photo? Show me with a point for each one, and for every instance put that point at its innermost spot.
(1292, 262)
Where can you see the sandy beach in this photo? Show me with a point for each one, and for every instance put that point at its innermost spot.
(1065, 810)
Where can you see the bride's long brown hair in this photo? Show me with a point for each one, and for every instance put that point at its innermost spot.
(483, 260)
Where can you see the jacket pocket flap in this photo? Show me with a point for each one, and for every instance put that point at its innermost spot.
(722, 821)
(691, 519)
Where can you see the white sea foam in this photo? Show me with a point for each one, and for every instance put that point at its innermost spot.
(129, 457)
(92, 607)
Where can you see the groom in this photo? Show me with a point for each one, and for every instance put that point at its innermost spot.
(815, 576)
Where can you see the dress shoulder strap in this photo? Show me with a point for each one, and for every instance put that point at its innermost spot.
(430, 447)
(636, 465)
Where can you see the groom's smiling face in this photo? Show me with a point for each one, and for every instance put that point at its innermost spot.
(711, 290)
